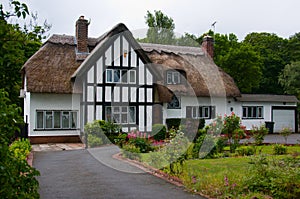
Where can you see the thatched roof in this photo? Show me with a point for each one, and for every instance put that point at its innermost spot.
(203, 77)
(51, 69)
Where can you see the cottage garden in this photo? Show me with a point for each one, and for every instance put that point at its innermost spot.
(212, 161)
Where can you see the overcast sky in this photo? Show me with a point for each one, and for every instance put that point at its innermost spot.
(193, 16)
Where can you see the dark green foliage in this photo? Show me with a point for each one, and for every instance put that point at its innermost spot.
(94, 141)
(16, 46)
(272, 51)
(207, 145)
(279, 149)
(159, 132)
(142, 144)
(17, 178)
(173, 123)
(289, 78)
(106, 131)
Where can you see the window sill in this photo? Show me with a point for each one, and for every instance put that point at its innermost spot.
(252, 118)
(55, 129)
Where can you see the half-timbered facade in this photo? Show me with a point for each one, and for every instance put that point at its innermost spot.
(117, 83)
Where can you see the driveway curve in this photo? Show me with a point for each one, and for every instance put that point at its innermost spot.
(95, 174)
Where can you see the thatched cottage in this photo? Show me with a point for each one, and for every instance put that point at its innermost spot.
(73, 80)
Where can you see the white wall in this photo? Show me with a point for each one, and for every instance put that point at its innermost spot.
(223, 106)
(37, 101)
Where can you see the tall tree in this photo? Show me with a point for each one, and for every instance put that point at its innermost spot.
(161, 28)
(272, 51)
(293, 47)
(17, 44)
(289, 78)
(243, 64)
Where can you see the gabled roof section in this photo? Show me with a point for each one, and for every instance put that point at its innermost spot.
(267, 98)
(104, 41)
(204, 77)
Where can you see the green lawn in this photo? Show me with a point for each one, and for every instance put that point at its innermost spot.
(223, 176)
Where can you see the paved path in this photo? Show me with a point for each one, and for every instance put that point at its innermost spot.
(77, 174)
(279, 139)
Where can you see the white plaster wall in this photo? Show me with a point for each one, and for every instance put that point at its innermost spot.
(223, 106)
(51, 102)
(220, 104)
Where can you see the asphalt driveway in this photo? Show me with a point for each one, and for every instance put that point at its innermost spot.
(94, 174)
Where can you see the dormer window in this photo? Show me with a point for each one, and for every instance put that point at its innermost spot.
(173, 77)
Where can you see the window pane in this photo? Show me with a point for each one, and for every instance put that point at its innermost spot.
(206, 112)
(176, 78)
(124, 76)
(124, 118)
(175, 103)
(108, 75)
(194, 112)
(255, 112)
(108, 115)
(49, 118)
(116, 109)
(124, 109)
(249, 112)
(201, 112)
(244, 112)
(65, 119)
(73, 120)
(132, 76)
(40, 120)
(116, 76)
(116, 117)
(131, 114)
(57, 119)
(260, 115)
(169, 77)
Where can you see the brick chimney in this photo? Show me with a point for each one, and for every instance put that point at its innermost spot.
(208, 46)
(82, 35)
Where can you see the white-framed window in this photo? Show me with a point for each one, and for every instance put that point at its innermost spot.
(173, 77)
(175, 103)
(253, 112)
(121, 114)
(120, 76)
(197, 112)
(56, 119)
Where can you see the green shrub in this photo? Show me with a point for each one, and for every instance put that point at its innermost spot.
(94, 141)
(120, 139)
(259, 133)
(279, 178)
(107, 131)
(131, 151)
(159, 132)
(285, 132)
(17, 177)
(245, 150)
(20, 148)
(141, 143)
(173, 123)
(279, 149)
